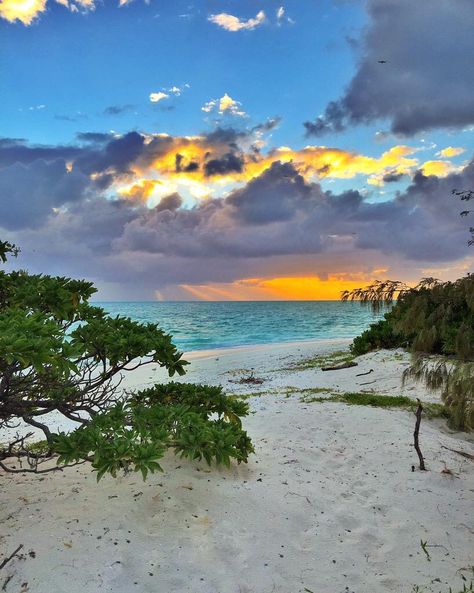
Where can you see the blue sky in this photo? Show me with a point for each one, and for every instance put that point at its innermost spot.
(279, 77)
(81, 64)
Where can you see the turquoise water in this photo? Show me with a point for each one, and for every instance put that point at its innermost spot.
(203, 325)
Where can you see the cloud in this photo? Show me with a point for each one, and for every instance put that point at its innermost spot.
(224, 105)
(117, 109)
(438, 168)
(25, 11)
(279, 224)
(166, 93)
(450, 152)
(94, 137)
(282, 16)
(31, 192)
(144, 168)
(279, 213)
(233, 23)
(426, 78)
(159, 96)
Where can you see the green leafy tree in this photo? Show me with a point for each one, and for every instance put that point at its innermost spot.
(59, 354)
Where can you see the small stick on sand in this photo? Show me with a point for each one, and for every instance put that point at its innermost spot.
(367, 373)
(7, 560)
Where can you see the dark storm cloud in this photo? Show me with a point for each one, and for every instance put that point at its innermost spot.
(276, 195)
(182, 167)
(426, 77)
(392, 177)
(228, 163)
(171, 202)
(280, 214)
(118, 154)
(18, 151)
(29, 193)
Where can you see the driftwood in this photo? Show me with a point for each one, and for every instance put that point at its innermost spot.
(7, 560)
(463, 453)
(367, 373)
(338, 367)
(418, 414)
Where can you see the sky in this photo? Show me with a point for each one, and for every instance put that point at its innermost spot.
(237, 149)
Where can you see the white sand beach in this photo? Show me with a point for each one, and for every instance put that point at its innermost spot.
(328, 504)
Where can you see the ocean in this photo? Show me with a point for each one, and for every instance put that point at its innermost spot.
(198, 325)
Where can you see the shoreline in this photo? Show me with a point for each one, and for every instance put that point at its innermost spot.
(266, 346)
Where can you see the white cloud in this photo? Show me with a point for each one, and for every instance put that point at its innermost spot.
(224, 105)
(233, 23)
(281, 16)
(157, 97)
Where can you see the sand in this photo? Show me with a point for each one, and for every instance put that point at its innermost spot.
(328, 504)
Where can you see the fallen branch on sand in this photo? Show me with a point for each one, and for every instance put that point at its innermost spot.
(338, 367)
(463, 453)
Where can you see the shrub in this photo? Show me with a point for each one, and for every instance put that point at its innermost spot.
(60, 354)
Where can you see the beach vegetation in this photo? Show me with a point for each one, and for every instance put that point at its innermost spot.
(63, 358)
(339, 357)
(432, 318)
(377, 400)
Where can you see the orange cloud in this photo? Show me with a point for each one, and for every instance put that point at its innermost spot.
(438, 168)
(139, 191)
(186, 158)
(451, 151)
(184, 162)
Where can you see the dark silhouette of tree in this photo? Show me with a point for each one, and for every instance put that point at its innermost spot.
(466, 195)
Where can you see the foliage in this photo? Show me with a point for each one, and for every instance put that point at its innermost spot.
(455, 379)
(58, 353)
(434, 317)
(466, 195)
(379, 335)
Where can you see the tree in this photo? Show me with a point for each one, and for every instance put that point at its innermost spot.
(60, 354)
(466, 195)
